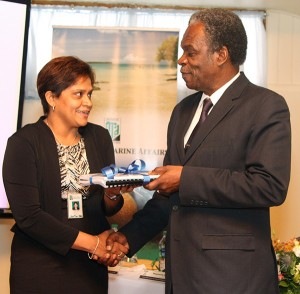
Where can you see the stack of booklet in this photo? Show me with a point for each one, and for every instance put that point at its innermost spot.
(118, 180)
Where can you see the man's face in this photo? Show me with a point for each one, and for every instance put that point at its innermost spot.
(198, 64)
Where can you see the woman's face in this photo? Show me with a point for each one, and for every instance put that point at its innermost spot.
(74, 104)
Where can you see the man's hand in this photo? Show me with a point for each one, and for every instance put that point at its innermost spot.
(112, 254)
(117, 245)
(168, 181)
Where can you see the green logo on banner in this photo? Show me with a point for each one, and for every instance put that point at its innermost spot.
(113, 126)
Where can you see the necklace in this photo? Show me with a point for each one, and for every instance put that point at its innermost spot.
(56, 139)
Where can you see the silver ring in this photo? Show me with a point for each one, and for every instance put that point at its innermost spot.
(119, 255)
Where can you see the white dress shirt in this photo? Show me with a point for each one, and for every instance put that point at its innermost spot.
(214, 99)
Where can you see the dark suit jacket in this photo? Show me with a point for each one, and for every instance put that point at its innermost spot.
(42, 261)
(238, 166)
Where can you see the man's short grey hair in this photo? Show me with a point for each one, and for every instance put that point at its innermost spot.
(223, 28)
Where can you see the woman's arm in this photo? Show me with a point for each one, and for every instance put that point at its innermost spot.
(95, 246)
(113, 200)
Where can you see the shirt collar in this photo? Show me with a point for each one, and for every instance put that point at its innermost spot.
(218, 94)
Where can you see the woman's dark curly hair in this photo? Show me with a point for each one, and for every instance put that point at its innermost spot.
(59, 74)
(223, 28)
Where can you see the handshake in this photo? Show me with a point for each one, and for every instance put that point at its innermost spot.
(110, 248)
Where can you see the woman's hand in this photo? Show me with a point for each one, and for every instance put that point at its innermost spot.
(111, 249)
(117, 245)
(101, 254)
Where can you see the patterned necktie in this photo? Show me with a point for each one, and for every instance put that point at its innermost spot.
(207, 104)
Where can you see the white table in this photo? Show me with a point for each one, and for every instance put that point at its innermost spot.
(129, 282)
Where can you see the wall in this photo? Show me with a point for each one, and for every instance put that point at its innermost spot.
(283, 32)
(5, 237)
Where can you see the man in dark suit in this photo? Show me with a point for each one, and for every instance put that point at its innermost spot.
(215, 191)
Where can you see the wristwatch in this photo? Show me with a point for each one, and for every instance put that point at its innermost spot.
(113, 197)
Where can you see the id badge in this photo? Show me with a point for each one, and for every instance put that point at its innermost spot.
(75, 209)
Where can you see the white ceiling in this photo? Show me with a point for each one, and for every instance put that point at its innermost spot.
(290, 6)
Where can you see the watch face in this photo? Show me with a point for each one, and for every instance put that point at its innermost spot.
(113, 197)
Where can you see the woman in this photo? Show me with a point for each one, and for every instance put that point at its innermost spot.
(55, 248)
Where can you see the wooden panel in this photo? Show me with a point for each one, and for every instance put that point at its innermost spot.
(285, 49)
(272, 27)
(283, 37)
(295, 51)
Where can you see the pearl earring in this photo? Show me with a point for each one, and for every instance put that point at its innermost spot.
(53, 107)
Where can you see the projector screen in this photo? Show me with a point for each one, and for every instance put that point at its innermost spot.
(14, 23)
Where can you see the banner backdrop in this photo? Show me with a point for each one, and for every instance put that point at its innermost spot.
(136, 84)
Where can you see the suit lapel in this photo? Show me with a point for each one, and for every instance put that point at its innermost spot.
(186, 117)
(219, 111)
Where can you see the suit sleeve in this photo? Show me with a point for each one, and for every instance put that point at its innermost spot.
(147, 223)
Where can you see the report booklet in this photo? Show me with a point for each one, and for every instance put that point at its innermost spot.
(139, 179)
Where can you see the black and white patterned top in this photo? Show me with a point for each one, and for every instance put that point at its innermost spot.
(72, 163)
